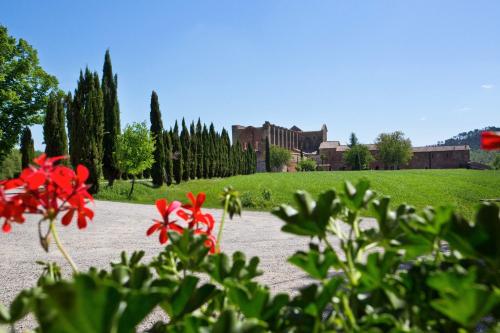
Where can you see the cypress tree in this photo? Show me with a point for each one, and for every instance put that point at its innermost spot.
(199, 150)
(194, 151)
(54, 132)
(111, 121)
(69, 124)
(268, 156)
(27, 148)
(177, 153)
(224, 152)
(86, 123)
(249, 154)
(218, 149)
(169, 166)
(206, 152)
(241, 153)
(186, 151)
(213, 152)
(158, 168)
(236, 157)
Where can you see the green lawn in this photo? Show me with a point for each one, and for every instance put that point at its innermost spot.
(460, 188)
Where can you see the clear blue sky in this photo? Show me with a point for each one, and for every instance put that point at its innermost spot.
(429, 68)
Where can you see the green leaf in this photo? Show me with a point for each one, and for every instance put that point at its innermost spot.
(356, 198)
(314, 263)
(250, 298)
(187, 297)
(4, 314)
(311, 218)
(138, 305)
(86, 305)
(228, 322)
(377, 268)
(478, 240)
(21, 305)
(461, 299)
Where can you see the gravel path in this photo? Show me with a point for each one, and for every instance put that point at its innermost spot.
(122, 226)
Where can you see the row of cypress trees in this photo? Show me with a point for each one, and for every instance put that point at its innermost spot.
(198, 152)
(93, 122)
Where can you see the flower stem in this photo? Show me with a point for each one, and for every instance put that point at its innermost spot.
(61, 247)
(223, 218)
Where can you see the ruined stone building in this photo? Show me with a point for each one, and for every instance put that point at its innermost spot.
(330, 153)
(291, 138)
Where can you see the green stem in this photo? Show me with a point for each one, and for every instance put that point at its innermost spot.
(223, 218)
(53, 230)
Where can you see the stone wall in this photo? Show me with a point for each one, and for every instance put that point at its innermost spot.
(440, 157)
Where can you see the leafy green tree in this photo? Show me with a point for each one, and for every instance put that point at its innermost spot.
(177, 154)
(135, 151)
(186, 151)
(394, 149)
(169, 162)
(85, 125)
(24, 89)
(193, 151)
(27, 148)
(54, 130)
(158, 167)
(268, 156)
(200, 151)
(279, 157)
(112, 127)
(358, 157)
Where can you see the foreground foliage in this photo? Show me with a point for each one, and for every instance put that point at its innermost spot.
(418, 271)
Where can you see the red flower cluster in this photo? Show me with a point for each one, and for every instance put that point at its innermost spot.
(490, 140)
(201, 223)
(47, 189)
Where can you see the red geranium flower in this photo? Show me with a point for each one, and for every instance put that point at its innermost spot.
(165, 210)
(47, 189)
(196, 216)
(490, 140)
(210, 242)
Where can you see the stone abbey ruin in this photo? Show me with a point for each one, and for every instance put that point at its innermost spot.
(329, 154)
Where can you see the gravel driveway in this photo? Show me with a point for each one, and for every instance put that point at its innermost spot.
(122, 226)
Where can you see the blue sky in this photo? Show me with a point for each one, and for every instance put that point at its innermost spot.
(429, 68)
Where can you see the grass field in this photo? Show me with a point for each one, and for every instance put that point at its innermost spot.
(460, 188)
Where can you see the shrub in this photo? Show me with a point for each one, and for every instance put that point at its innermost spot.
(307, 165)
(428, 271)
(253, 200)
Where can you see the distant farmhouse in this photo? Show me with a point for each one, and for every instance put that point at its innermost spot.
(329, 154)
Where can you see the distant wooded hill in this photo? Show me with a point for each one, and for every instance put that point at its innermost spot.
(473, 139)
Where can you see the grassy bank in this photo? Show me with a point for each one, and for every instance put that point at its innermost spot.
(460, 188)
